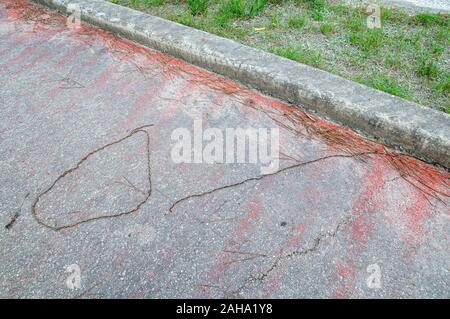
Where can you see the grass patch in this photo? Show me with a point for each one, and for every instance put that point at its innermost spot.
(198, 6)
(427, 67)
(390, 85)
(430, 19)
(326, 28)
(254, 7)
(288, 53)
(146, 2)
(385, 83)
(301, 54)
(297, 22)
(369, 40)
(443, 85)
(237, 9)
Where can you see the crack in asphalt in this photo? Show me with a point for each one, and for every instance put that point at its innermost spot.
(16, 213)
(298, 252)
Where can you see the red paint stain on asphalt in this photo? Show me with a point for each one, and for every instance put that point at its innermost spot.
(417, 213)
(297, 236)
(215, 275)
(254, 209)
(362, 229)
(368, 202)
(346, 280)
(370, 199)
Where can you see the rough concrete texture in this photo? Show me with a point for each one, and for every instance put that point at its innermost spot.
(87, 179)
(414, 5)
(417, 130)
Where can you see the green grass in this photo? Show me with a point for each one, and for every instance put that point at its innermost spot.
(145, 2)
(297, 22)
(254, 7)
(232, 8)
(301, 54)
(444, 85)
(429, 19)
(408, 57)
(427, 67)
(288, 53)
(388, 84)
(198, 6)
(326, 28)
(235, 9)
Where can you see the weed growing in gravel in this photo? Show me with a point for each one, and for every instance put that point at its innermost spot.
(198, 6)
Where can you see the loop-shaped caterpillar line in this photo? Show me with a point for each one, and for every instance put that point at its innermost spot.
(141, 129)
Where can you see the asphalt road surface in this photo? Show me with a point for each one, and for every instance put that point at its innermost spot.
(93, 204)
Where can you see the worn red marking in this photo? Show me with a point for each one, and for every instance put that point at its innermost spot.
(215, 274)
(346, 280)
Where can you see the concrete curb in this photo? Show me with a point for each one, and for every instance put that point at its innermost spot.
(406, 126)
